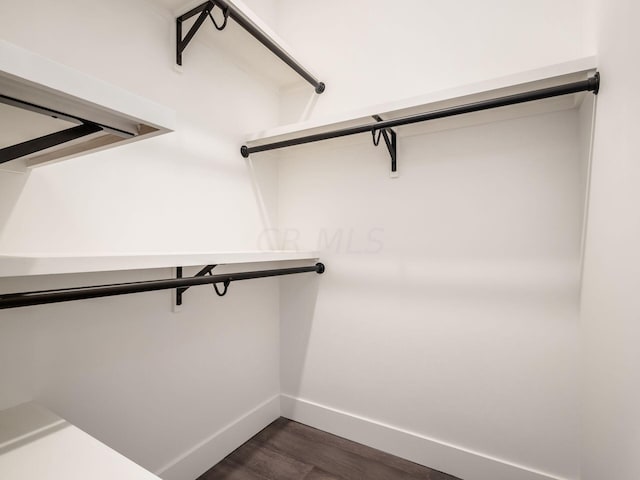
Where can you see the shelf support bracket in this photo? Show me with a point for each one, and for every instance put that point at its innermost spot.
(231, 11)
(390, 139)
(180, 290)
(47, 141)
(205, 11)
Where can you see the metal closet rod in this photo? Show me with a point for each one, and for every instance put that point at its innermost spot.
(591, 85)
(245, 22)
(24, 299)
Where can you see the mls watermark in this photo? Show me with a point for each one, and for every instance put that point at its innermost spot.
(339, 240)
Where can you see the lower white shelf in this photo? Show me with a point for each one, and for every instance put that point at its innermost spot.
(25, 265)
(37, 444)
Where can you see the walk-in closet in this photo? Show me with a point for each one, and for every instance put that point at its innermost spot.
(301, 240)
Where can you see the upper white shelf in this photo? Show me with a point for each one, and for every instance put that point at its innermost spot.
(244, 39)
(19, 266)
(42, 97)
(516, 83)
(36, 443)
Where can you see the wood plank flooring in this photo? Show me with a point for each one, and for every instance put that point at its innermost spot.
(288, 450)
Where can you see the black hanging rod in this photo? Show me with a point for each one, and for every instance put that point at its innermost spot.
(24, 299)
(230, 11)
(589, 85)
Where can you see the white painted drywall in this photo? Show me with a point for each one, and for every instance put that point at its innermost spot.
(371, 51)
(450, 303)
(147, 382)
(610, 317)
(146, 190)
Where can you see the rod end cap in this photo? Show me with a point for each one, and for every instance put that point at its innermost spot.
(244, 150)
(594, 83)
(320, 88)
(320, 267)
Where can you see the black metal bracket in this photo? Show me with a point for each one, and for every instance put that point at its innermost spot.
(204, 10)
(230, 11)
(52, 140)
(82, 129)
(205, 271)
(390, 139)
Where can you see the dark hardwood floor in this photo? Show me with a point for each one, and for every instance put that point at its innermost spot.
(288, 450)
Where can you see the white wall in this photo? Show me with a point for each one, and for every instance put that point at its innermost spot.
(450, 305)
(372, 51)
(143, 189)
(610, 303)
(150, 383)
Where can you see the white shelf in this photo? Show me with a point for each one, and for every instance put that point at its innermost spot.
(35, 443)
(519, 82)
(19, 266)
(32, 78)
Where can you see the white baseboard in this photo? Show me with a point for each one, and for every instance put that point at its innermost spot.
(198, 459)
(412, 446)
(457, 461)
